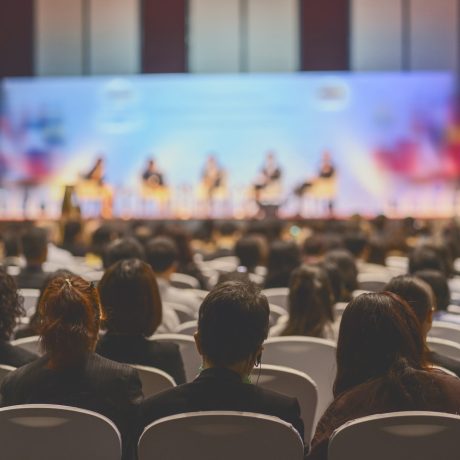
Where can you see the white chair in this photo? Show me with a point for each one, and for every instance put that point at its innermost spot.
(454, 284)
(445, 330)
(315, 357)
(183, 312)
(398, 265)
(31, 344)
(189, 353)
(453, 308)
(358, 292)
(5, 370)
(30, 297)
(154, 380)
(183, 281)
(51, 432)
(200, 294)
(188, 328)
(373, 282)
(444, 347)
(275, 313)
(339, 308)
(397, 436)
(277, 296)
(443, 369)
(293, 383)
(220, 435)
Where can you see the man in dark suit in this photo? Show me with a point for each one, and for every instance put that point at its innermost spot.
(232, 325)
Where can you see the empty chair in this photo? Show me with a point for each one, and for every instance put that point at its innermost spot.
(190, 356)
(314, 356)
(30, 297)
(445, 330)
(372, 281)
(183, 312)
(277, 296)
(291, 382)
(444, 347)
(51, 432)
(154, 380)
(222, 435)
(397, 436)
(182, 281)
(187, 328)
(5, 370)
(31, 344)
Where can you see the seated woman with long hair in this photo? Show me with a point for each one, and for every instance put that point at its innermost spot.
(131, 300)
(310, 305)
(381, 367)
(70, 373)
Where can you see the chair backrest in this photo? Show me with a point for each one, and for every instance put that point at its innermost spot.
(5, 370)
(444, 347)
(190, 356)
(188, 328)
(182, 281)
(443, 369)
(31, 344)
(277, 296)
(183, 312)
(445, 330)
(30, 297)
(275, 313)
(339, 308)
(315, 357)
(223, 435)
(291, 382)
(454, 284)
(397, 436)
(51, 432)
(154, 380)
(372, 281)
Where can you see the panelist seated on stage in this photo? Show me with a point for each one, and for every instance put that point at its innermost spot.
(267, 185)
(232, 326)
(213, 178)
(152, 177)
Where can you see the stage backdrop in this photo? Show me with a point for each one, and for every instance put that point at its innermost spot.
(394, 142)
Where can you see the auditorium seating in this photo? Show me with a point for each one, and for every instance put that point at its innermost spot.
(31, 344)
(222, 435)
(187, 328)
(183, 312)
(30, 297)
(154, 380)
(277, 296)
(5, 370)
(444, 347)
(179, 280)
(445, 330)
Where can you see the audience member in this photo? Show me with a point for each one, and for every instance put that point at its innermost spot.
(232, 325)
(70, 373)
(381, 367)
(122, 249)
(72, 239)
(12, 251)
(283, 258)
(426, 257)
(348, 271)
(225, 237)
(248, 250)
(131, 301)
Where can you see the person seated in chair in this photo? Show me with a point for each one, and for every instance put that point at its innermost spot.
(232, 326)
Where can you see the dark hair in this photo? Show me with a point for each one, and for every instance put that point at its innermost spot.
(379, 336)
(335, 279)
(122, 249)
(130, 298)
(313, 246)
(232, 322)
(101, 237)
(12, 245)
(356, 243)
(10, 305)
(161, 253)
(34, 243)
(72, 229)
(310, 302)
(70, 314)
(426, 258)
(415, 292)
(348, 271)
(249, 252)
(438, 283)
(283, 258)
(227, 228)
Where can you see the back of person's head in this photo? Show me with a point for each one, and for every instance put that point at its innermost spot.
(335, 279)
(348, 270)
(376, 251)
(11, 245)
(439, 285)
(379, 336)
(283, 255)
(182, 239)
(313, 246)
(10, 305)
(34, 245)
(101, 237)
(426, 258)
(122, 249)
(72, 230)
(232, 323)
(70, 314)
(249, 251)
(130, 298)
(161, 254)
(355, 242)
(310, 302)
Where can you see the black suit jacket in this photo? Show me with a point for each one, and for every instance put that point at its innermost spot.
(15, 356)
(221, 389)
(139, 350)
(31, 278)
(100, 385)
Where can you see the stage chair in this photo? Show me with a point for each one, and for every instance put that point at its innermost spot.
(373, 282)
(30, 297)
(188, 328)
(444, 347)
(5, 370)
(314, 356)
(223, 435)
(397, 436)
(182, 281)
(190, 356)
(52, 432)
(291, 383)
(445, 330)
(183, 312)
(31, 344)
(154, 380)
(277, 296)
